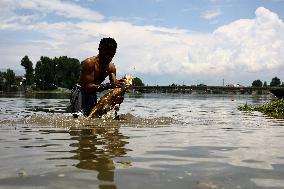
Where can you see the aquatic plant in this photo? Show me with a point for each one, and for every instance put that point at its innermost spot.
(275, 108)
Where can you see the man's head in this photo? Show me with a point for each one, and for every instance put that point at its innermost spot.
(108, 43)
(107, 49)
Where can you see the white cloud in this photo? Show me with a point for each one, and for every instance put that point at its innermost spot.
(238, 51)
(40, 8)
(256, 45)
(211, 14)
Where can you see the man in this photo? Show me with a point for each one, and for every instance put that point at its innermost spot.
(94, 71)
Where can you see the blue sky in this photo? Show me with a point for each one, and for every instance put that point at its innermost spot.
(160, 41)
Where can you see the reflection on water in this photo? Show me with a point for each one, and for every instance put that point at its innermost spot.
(161, 141)
(95, 149)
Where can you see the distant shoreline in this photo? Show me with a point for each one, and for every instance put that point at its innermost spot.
(56, 91)
(168, 89)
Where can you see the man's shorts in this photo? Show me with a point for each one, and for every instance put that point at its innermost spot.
(81, 101)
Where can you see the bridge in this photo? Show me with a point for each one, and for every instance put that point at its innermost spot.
(203, 89)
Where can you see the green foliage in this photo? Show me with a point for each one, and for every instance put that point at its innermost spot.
(256, 83)
(45, 74)
(247, 108)
(28, 65)
(9, 77)
(1, 78)
(275, 82)
(58, 72)
(68, 71)
(137, 82)
(265, 84)
(274, 108)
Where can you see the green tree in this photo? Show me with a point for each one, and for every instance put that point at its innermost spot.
(45, 74)
(256, 83)
(68, 71)
(9, 77)
(28, 65)
(275, 82)
(265, 84)
(137, 82)
(1, 78)
(57, 72)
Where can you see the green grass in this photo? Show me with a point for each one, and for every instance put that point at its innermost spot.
(275, 108)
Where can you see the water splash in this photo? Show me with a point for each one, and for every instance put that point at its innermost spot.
(67, 121)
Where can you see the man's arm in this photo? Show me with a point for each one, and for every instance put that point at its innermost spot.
(112, 76)
(112, 73)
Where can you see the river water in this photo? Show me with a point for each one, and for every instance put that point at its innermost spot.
(162, 141)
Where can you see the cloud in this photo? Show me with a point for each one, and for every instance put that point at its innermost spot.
(239, 51)
(40, 9)
(211, 14)
(256, 45)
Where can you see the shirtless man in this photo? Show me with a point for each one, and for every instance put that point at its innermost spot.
(94, 71)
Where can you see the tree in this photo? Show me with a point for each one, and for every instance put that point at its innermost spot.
(265, 84)
(9, 77)
(57, 72)
(45, 74)
(256, 83)
(28, 65)
(137, 82)
(1, 78)
(275, 82)
(68, 71)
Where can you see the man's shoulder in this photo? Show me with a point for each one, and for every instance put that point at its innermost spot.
(111, 66)
(91, 61)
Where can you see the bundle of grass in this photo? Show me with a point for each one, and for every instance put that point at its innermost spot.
(275, 108)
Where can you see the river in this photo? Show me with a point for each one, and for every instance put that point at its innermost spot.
(162, 141)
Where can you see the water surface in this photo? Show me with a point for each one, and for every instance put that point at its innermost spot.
(164, 141)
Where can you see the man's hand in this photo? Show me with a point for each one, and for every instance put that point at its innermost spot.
(119, 83)
(106, 86)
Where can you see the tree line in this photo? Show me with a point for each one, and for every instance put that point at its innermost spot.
(8, 77)
(49, 73)
(275, 82)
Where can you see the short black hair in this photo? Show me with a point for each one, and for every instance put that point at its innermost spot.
(108, 43)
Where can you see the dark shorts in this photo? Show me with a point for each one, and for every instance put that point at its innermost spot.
(89, 100)
(80, 100)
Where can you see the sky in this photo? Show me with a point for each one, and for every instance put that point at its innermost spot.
(160, 41)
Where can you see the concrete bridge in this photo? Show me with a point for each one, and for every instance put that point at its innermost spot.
(203, 89)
